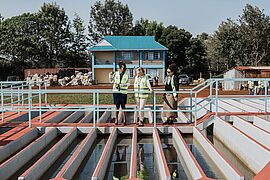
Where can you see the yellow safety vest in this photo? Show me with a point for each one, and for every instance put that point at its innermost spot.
(250, 84)
(141, 87)
(261, 84)
(123, 86)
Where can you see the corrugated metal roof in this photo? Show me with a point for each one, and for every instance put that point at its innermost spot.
(128, 43)
(243, 68)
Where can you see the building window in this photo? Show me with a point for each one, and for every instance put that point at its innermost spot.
(152, 72)
(156, 55)
(152, 55)
(130, 73)
(126, 55)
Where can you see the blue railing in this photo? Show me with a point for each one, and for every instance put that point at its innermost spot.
(18, 97)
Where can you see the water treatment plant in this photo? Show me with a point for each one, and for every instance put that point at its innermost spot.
(215, 137)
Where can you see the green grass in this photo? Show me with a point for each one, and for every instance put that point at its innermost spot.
(88, 99)
(85, 99)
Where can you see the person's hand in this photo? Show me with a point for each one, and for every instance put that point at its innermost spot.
(175, 98)
(151, 91)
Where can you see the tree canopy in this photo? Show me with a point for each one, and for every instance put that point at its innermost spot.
(48, 38)
(110, 18)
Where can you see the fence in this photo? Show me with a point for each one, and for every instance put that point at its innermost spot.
(18, 97)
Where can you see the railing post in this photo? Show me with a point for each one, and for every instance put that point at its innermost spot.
(39, 102)
(46, 96)
(94, 108)
(29, 104)
(97, 106)
(12, 101)
(195, 114)
(211, 95)
(2, 102)
(155, 109)
(22, 96)
(265, 95)
(18, 99)
(190, 103)
(216, 97)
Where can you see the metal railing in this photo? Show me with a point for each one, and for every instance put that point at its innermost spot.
(18, 97)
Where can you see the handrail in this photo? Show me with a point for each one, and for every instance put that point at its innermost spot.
(13, 98)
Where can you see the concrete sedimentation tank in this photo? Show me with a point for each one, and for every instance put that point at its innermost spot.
(224, 138)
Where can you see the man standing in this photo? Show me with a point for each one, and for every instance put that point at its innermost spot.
(120, 90)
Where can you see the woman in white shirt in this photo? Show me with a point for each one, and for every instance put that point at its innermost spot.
(141, 87)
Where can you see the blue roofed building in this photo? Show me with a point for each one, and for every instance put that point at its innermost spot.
(135, 51)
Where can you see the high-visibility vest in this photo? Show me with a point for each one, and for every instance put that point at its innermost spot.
(141, 87)
(120, 87)
(261, 84)
(250, 84)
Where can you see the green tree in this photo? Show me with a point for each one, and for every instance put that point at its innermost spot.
(110, 18)
(54, 30)
(77, 52)
(255, 25)
(144, 27)
(196, 58)
(242, 42)
(18, 42)
(177, 41)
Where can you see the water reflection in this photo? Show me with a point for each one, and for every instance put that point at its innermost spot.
(120, 160)
(141, 170)
(146, 161)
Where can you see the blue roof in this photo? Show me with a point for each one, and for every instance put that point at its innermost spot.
(116, 43)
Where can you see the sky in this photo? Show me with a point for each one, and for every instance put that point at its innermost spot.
(195, 16)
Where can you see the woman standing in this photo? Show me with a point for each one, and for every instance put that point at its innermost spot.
(141, 87)
(170, 99)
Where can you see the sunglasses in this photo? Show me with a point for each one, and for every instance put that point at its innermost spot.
(169, 71)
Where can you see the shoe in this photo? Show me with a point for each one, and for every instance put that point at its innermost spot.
(116, 123)
(170, 122)
(112, 120)
(165, 123)
(140, 123)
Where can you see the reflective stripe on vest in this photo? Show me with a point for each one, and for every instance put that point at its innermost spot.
(250, 84)
(123, 87)
(173, 86)
(142, 87)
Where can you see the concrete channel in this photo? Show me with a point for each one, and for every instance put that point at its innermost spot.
(237, 148)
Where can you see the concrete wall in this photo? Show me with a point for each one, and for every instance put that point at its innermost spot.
(88, 118)
(12, 165)
(70, 168)
(242, 105)
(102, 75)
(17, 144)
(74, 117)
(59, 117)
(103, 163)
(190, 162)
(47, 160)
(251, 153)
(224, 166)
(159, 154)
(257, 134)
(105, 116)
(133, 162)
(108, 56)
(262, 123)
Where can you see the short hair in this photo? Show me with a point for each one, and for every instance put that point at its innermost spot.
(122, 64)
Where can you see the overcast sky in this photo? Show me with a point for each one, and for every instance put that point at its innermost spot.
(195, 16)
